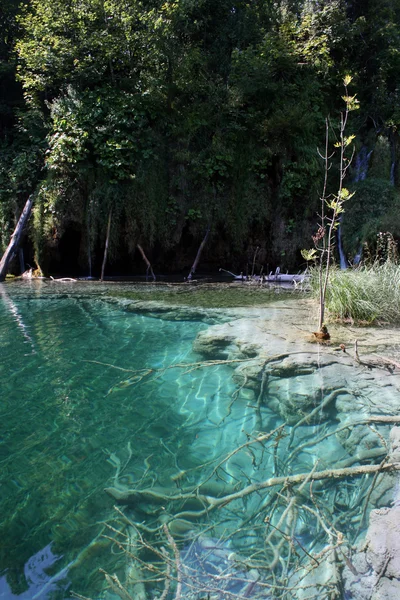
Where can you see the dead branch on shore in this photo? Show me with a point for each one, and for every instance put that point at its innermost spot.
(148, 263)
(198, 255)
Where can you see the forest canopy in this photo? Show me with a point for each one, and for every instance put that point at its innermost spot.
(179, 116)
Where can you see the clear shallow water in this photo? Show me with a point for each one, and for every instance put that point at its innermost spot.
(89, 400)
(62, 416)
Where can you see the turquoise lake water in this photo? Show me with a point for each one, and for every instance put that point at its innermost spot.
(91, 399)
(63, 416)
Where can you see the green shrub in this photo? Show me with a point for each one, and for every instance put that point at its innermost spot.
(369, 294)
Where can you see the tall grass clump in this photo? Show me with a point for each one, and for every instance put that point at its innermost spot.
(368, 294)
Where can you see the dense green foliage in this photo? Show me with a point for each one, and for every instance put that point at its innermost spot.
(374, 207)
(180, 115)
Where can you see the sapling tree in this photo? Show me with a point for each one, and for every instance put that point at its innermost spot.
(332, 205)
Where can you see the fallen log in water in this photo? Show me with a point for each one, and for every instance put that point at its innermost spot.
(276, 277)
(15, 238)
(286, 278)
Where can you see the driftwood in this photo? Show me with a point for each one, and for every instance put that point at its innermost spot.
(281, 559)
(148, 263)
(198, 255)
(286, 278)
(276, 277)
(103, 266)
(65, 279)
(15, 239)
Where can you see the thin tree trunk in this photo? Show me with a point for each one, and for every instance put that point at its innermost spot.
(106, 246)
(148, 263)
(198, 255)
(15, 238)
(323, 202)
(254, 260)
(21, 260)
(89, 252)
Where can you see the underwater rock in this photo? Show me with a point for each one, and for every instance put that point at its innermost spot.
(394, 439)
(356, 438)
(212, 565)
(306, 363)
(377, 570)
(245, 337)
(368, 397)
(383, 541)
(223, 342)
(297, 397)
(215, 347)
(168, 312)
(248, 375)
(292, 398)
(386, 589)
(377, 563)
(316, 578)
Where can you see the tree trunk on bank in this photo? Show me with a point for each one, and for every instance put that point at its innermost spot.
(103, 266)
(21, 260)
(148, 263)
(15, 239)
(198, 255)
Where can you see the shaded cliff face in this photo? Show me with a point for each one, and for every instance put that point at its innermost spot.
(266, 249)
(180, 116)
(264, 228)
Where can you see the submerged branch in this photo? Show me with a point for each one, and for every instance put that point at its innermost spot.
(210, 502)
(294, 479)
